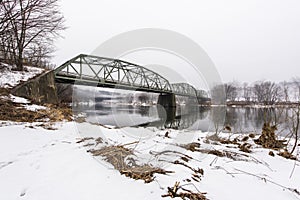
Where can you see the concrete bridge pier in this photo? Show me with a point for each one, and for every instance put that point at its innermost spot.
(166, 107)
(167, 100)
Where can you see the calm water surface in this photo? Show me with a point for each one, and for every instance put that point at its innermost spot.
(240, 120)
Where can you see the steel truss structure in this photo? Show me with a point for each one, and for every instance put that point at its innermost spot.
(184, 89)
(114, 73)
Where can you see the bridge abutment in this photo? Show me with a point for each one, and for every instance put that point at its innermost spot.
(167, 100)
(40, 89)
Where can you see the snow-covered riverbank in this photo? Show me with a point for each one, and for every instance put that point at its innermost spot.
(47, 159)
(50, 164)
(42, 164)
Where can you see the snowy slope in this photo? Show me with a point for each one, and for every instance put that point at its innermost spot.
(10, 78)
(39, 164)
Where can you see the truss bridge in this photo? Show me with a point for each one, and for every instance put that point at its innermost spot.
(114, 73)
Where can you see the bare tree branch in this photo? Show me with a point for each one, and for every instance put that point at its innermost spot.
(27, 25)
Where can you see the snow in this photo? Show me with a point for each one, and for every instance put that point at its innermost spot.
(39, 164)
(9, 78)
(16, 99)
(23, 102)
(34, 107)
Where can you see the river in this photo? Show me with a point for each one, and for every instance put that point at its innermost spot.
(236, 119)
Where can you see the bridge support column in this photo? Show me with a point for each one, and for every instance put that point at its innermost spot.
(167, 100)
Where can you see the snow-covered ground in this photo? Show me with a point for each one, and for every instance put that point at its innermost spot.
(23, 102)
(10, 78)
(39, 164)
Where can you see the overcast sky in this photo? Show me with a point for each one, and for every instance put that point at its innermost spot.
(247, 40)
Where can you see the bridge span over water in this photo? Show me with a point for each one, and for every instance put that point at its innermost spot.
(114, 73)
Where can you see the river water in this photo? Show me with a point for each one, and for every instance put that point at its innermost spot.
(239, 119)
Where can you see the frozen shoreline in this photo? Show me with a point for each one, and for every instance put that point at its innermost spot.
(49, 164)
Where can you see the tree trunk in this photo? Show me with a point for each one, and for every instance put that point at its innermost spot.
(296, 128)
(19, 62)
(19, 66)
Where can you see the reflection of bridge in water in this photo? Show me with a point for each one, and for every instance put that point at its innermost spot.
(178, 119)
(113, 73)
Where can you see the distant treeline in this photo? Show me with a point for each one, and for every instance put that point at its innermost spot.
(259, 92)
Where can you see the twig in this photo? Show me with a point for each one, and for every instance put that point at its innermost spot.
(174, 152)
(295, 163)
(219, 167)
(192, 185)
(123, 145)
(267, 180)
(214, 161)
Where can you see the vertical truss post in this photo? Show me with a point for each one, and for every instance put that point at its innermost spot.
(80, 62)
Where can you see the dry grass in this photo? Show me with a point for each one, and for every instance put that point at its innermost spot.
(144, 172)
(268, 138)
(123, 160)
(245, 147)
(173, 192)
(115, 155)
(235, 156)
(4, 91)
(10, 111)
(284, 153)
(194, 146)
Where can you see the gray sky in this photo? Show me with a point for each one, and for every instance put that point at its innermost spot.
(248, 40)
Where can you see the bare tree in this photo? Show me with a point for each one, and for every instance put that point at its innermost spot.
(6, 16)
(217, 117)
(38, 53)
(266, 92)
(247, 92)
(5, 28)
(218, 94)
(30, 24)
(295, 117)
(230, 91)
(296, 85)
(295, 125)
(285, 90)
